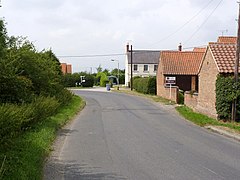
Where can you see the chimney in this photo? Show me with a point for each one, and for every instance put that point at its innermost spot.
(180, 47)
(127, 47)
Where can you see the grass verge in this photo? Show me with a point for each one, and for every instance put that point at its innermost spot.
(187, 113)
(24, 157)
(203, 120)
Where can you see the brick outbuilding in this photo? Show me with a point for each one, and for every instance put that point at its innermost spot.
(184, 66)
(219, 59)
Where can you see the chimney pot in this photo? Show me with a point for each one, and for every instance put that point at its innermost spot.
(180, 47)
(127, 47)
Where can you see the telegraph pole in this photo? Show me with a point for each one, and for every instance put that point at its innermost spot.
(131, 68)
(236, 66)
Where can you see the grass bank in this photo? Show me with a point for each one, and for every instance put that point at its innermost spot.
(187, 113)
(203, 120)
(24, 157)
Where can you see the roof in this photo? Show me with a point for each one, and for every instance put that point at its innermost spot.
(224, 55)
(181, 62)
(197, 49)
(144, 57)
(227, 39)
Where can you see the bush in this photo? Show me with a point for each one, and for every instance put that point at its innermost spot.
(89, 81)
(16, 118)
(146, 85)
(180, 97)
(103, 79)
(226, 91)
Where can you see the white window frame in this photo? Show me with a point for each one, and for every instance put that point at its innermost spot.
(145, 65)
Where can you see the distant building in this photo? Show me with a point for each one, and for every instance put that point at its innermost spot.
(66, 68)
(144, 63)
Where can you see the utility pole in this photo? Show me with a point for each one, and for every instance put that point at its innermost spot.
(131, 68)
(236, 66)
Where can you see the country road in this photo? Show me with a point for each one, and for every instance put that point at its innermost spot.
(124, 137)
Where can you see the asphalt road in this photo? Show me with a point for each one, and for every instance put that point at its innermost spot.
(118, 136)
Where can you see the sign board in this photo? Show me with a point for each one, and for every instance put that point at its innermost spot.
(170, 80)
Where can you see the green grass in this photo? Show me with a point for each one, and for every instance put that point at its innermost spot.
(203, 120)
(187, 113)
(25, 155)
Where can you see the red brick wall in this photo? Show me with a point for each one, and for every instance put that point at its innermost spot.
(191, 100)
(165, 91)
(207, 80)
(64, 68)
(69, 69)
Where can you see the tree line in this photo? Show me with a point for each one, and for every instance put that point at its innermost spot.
(101, 78)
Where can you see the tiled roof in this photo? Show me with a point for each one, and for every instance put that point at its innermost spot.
(197, 49)
(181, 62)
(227, 39)
(144, 57)
(224, 55)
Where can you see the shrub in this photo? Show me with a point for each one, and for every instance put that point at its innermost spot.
(89, 81)
(152, 85)
(146, 85)
(180, 97)
(103, 79)
(16, 118)
(226, 91)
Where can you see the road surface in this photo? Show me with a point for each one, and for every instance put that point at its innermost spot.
(124, 137)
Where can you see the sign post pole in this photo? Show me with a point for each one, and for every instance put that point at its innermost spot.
(170, 81)
(170, 92)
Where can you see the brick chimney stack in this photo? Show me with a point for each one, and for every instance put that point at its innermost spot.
(127, 47)
(180, 47)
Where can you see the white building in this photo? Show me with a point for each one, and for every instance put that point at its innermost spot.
(144, 63)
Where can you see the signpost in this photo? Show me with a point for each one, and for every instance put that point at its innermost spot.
(170, 81)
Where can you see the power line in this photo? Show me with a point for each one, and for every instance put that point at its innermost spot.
(181, 27)
(121, 54)
(91, 55)
(203, 22)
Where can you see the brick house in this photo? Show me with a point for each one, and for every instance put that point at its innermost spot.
(184, 66)
(144, 64)
(66, 68)
(218, 59)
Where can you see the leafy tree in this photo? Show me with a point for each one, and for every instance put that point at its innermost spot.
(102, 78)
(3, 38)
(106, 71)
(26, 73)
(99, 68)
(114, 72)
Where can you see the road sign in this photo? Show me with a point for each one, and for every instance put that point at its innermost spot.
(170, 80)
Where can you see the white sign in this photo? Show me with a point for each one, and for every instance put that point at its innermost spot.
(170, 80)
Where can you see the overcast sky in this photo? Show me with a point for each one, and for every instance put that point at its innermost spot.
(95, 27)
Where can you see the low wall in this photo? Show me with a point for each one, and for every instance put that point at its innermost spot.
(191, 99)
(165, 93)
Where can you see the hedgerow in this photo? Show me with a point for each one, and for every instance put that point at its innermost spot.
(227, 90)
(146, 85)
(31, 87)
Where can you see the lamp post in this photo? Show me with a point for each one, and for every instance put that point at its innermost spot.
(118, 71)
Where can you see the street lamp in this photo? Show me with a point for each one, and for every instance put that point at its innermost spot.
(118, 70)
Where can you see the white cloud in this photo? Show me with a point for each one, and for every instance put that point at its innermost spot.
(79, 27)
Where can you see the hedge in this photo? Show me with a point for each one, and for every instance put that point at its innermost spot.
(146, 85)
(15, 119)
(227, 90)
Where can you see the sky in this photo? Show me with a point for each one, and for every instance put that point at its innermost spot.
(86, 28)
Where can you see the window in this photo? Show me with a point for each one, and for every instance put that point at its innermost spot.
(145, 68)
(135, 67)
(155, 67)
